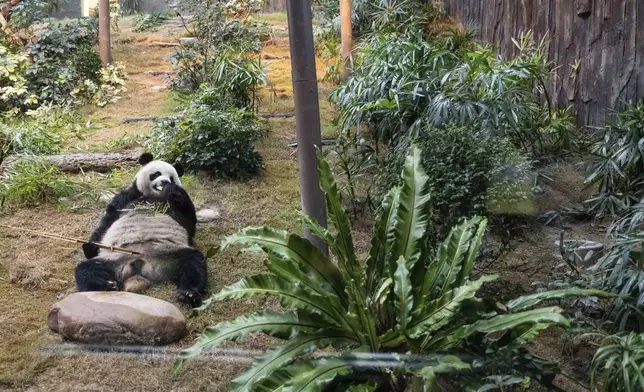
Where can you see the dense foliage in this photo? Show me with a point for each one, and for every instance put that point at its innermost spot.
(226, 37)
(211, 135)
(470, 173)
(618, 364)
(617, 167)
(403, 300)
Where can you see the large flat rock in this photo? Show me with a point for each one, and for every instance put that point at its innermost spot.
(117, 317)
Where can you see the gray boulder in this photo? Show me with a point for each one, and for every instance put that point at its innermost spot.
(117, 317)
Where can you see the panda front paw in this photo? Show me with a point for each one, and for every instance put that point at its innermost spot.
(90, 250)
(189, 297)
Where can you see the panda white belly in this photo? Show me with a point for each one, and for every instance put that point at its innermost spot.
(145, 232)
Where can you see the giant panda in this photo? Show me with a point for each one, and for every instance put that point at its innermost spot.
(155, 217)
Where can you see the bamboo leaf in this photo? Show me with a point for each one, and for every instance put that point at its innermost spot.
(280, 325)
(279, 356)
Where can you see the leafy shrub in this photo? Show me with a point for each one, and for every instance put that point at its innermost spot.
(619, 364)
(617, 166)
(470, 173)
(34, 181)
(149, 22)
(64, 56)
(404, 318)
(109, 88)
(13, 85)
(404, 81)
(221, 53)
(210, 136)
(621, 270)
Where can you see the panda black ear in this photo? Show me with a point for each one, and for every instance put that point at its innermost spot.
(179, 168)
(146, 158)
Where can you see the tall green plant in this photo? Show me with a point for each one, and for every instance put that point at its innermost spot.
(401, 300)
(618, 364)
(617, 167)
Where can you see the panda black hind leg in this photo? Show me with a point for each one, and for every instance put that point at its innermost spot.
(190, 276)
(96, 275)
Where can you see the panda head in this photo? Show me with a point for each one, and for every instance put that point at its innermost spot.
(154, 175)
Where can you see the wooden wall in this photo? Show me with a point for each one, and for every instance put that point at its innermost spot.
(606, 37)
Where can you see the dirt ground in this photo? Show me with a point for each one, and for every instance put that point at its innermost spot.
(35, 272)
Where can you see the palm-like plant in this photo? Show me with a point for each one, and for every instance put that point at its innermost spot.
(402, 300)
(619, 364)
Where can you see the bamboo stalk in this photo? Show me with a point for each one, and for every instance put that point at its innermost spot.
(74, 240)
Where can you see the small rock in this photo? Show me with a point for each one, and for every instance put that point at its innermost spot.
(207, 215)
(117, 317)
(159, 88)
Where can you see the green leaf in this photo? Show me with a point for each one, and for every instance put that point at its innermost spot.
(305, 375)
(278, 356)
(280, 325)
(292, 295)
(292, 247)
(339, 219)
(508, 321)
(383, 239)
(437, 313)
(404, 300)
(442, 365)
(452, 256)
(530, 300)
(413, 210)
(473, 250)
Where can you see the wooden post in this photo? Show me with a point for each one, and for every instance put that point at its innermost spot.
(104, 31)
(307, 112)
(346, 36)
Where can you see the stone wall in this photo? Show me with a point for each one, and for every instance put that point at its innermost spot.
(604, 37)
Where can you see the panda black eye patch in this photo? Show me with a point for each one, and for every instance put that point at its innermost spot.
(154, 176)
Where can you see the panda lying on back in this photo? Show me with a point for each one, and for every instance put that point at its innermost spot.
(155, 217)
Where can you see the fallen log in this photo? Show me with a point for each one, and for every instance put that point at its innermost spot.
(164, 44)
(160, 73)
(276, 115)
(268, 56)
(139, 119)
(100, 162)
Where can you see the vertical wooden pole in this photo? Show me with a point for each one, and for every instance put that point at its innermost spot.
(104, 31)
(307, 112)
(346, 36)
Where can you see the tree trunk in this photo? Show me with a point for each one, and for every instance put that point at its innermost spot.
(87, 162)
(104, 31)
(346, 35)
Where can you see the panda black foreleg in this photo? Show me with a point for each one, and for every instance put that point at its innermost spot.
(96, 275)
(190, 276)
(182, 209)
(112, 213)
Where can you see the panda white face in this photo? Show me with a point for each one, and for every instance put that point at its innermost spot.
(154, 176)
